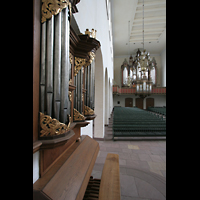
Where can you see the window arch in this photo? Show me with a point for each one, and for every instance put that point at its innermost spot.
(124, 72)
(153, 71)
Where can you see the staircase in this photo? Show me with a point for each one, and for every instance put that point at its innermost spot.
(108, 129)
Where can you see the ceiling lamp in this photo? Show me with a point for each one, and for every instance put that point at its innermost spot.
(142, 60)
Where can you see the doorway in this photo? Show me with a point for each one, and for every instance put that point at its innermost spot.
(128, 102)
(139, 103)
(149, 102)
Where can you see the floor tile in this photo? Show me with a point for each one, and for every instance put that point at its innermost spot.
(134, 156)
(132, 198)
(122, 170)
(146, 190)
(144, 157)
(122, 162)
(156, 158)
(128, 187)
(137, 164)
(113, 149)
(126, 150)
(142, 168)
(163, 173)
(163, 157)
(133, 146)
(156, 165)
(156, 172)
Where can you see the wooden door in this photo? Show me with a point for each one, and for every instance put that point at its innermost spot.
(149, 102)
(139, 103)
(129, 102)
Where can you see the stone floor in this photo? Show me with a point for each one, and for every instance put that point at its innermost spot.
(142, 165)
(142, 168)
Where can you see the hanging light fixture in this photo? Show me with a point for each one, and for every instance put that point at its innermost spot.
(142, 60)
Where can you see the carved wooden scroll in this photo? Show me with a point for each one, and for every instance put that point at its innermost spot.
(79, 62)
(50, 127)
(88, 111)
(78, 116)
(53, 7)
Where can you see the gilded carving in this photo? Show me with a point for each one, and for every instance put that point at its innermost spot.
(51, 126)
(92, 33)
(92, 56)
(53, 7)
(70, 58)
(70, 81)
(79, 62)
(82, 97)
(70, 95)
(88, 110)
(78, 116)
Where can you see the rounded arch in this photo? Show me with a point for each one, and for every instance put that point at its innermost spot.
(106, 97)
(99, 95)
(109, 100)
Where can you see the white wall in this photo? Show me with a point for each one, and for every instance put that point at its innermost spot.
(93, 14)
(88, 130)
(35, 166)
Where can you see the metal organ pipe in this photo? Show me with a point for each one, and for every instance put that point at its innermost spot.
(65, 66)
(55, 66)
(43, 67)
(49, 65)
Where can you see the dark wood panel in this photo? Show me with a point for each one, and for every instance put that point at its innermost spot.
(129, 102)
(149, 102)
(71, 180)
(139, 103)
(50, 154)
(40, 183)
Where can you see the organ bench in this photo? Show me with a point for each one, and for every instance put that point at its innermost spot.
(70, 176)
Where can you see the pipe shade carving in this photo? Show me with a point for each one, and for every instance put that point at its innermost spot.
(79, 62)
(88, 111)
(53, 7)
(78, 116)
(51, 126)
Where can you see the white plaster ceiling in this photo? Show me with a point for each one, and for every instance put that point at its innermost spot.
(154, 26)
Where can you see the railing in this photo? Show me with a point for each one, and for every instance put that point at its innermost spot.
(155, 90)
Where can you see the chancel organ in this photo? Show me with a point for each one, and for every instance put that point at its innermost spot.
(66, 101)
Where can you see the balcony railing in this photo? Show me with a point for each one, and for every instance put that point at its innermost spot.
(123, 90)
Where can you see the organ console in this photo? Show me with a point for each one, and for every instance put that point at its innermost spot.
(70, 176)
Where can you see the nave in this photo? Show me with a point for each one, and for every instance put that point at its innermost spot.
(142, 162)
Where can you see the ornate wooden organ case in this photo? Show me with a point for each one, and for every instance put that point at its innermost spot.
(66, 81)
(65, 76)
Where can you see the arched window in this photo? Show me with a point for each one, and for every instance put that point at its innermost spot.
(153, 76)
(125, 75)
(153, 71)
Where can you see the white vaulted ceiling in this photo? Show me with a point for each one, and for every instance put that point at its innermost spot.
(154, 26)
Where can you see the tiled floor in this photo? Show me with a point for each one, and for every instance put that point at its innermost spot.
(142, 168)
